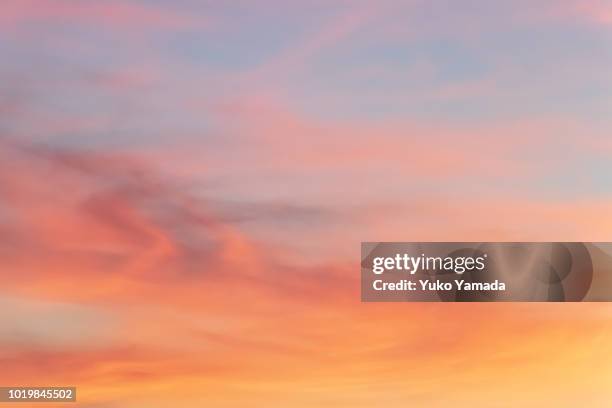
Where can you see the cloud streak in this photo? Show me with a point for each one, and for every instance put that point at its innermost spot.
(117, 14)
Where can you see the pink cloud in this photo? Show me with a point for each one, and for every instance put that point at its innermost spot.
(599, 11)
(331, 34)
(114, 13)
(285, 138)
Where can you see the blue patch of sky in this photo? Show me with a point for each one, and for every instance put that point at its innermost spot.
(534, 71)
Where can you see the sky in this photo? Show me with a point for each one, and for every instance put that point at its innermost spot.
(184, 187)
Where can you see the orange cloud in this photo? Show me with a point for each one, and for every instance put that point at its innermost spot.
(201, 312)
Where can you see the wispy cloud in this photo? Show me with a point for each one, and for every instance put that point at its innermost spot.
(117, 14)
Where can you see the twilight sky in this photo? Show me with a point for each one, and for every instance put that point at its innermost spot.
(184, 187)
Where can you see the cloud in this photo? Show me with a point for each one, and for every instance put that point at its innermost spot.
(597, 12)
(287, 139)
(36, 324)
(123, 224)
(205, 254)
(123, 14)
(333, 32)
(196, 300)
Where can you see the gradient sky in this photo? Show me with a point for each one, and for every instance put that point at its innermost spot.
(184, 187)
